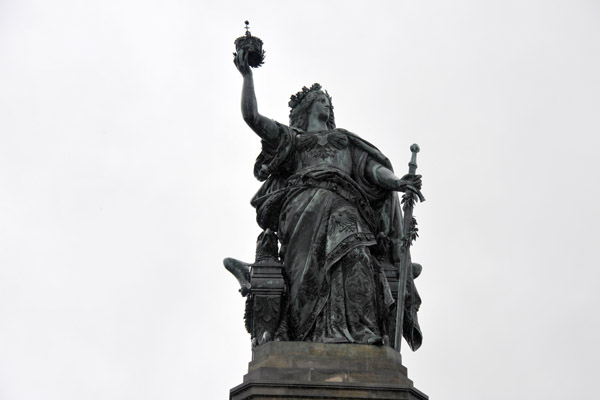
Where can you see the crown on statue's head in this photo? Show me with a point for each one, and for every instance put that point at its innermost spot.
(252, 46)
(297, 98)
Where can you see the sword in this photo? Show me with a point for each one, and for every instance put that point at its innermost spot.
(408, 200)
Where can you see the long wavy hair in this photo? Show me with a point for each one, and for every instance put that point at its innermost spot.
(300, 112)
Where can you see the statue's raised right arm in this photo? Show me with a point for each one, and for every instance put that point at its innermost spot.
(264, 127)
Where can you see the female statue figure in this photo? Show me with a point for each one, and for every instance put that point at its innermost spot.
(330, 197)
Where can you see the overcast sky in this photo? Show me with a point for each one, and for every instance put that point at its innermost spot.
(126, 175)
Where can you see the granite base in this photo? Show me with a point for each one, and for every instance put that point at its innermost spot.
(300, 370)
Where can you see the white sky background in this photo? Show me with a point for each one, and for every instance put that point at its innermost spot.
(126, 175)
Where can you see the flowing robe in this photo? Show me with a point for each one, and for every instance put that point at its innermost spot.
(338, 232)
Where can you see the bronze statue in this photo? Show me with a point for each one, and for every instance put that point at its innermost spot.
(333, 237)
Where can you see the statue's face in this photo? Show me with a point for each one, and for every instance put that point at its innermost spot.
(321, 107)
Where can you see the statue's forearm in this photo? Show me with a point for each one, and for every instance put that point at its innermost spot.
(382, 176)
(249, 105)
(264, 127)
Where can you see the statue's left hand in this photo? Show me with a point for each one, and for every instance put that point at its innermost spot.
(411, 182)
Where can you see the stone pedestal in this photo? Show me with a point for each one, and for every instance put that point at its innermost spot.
(300, 370)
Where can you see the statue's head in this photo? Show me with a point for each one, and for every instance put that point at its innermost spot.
(301, 105)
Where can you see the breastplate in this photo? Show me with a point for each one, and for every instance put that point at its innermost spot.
(324, 149)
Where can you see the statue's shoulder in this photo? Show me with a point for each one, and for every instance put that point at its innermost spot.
(367, 147)
(355, 138)
(288, 130)
(285, 135)
(351, 135)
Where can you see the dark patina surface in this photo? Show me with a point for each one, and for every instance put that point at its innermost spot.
(334, 241)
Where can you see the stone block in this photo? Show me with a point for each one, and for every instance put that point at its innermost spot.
(300, 370)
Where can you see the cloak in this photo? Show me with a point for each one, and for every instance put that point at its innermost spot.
(302, 207)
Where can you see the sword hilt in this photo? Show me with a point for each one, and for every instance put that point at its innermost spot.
(412, 165)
